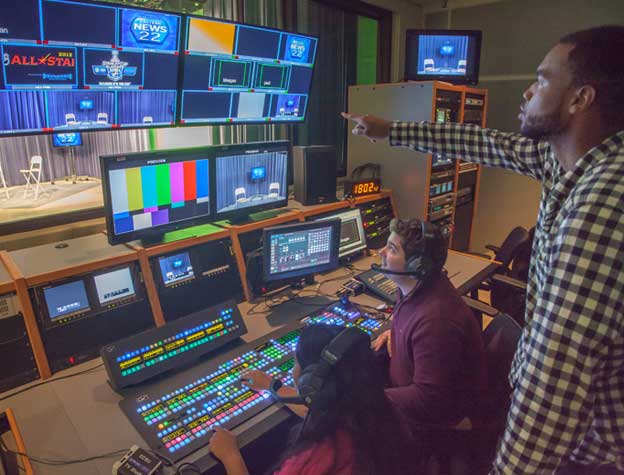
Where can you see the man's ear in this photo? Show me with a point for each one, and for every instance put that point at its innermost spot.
(582, 99)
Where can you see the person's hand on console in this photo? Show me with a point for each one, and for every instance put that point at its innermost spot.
(256, 380)
(223, 446)
(374, 128)
(383, 339)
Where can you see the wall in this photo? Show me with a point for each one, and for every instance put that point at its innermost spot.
(516, 36)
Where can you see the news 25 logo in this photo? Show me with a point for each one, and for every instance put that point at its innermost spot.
(149, 30)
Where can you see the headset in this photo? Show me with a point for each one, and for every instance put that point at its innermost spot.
(314, 377)
(429, 257)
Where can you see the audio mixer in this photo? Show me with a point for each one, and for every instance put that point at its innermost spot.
(176, 416)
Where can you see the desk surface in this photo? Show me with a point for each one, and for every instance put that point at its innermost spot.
(47, 258)
(79, 417)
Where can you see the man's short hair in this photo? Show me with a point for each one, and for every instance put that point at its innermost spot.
(410, 232)
(597, 60)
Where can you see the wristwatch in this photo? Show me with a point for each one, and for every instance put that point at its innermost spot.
(275, 385)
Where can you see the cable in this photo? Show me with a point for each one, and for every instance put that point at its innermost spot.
(47, 381)
(60, 462)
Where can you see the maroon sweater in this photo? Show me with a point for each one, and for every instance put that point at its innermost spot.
(437, 369)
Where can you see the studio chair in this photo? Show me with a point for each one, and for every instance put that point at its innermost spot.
(274, 190)
(148, 119)
(507, 286)
(70, 119)
(429, 64)
(240, 195)
(461, 66)
(470, 447)
(33, 175)
(102, 118)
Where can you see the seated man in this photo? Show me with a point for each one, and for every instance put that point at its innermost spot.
(437, 366)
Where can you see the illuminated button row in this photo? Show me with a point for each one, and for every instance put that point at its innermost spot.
(205, 427)
(177, 351)
(225, 314)
(344, 313)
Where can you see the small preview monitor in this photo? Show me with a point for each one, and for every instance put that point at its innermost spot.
(297, 250)
(446, 55)
(250, 177)
(149, 193)
(66, 300)
(69, 139)
(176, 268)
(352, 238)
(114, 285)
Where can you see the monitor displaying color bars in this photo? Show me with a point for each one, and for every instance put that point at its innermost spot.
(148, 194)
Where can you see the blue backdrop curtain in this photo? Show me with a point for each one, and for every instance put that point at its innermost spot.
(429, 48)
(66, 102)
(20, 110)
(133, 106)
(234, 172)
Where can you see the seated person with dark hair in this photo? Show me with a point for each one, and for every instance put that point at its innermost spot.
(350, 426)
(437, 369)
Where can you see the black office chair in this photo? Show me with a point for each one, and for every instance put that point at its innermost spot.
(476, 447)
(507, 286)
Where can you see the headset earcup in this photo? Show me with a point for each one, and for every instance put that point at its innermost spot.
(309, 383)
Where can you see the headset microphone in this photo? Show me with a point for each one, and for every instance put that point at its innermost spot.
(383, 270)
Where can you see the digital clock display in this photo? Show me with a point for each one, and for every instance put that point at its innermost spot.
(363, 187)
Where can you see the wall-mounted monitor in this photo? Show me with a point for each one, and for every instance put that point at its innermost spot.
(250, 178)
(445, 55)
(149, 193)
(71, 65)
(297, 250)
(68, 139)
(242, 73)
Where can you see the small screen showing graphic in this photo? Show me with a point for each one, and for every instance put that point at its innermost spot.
(66, 299)
(70, 139)
(176, 268)
(114, 285)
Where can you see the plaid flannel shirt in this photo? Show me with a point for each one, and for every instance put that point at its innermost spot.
(568, 370)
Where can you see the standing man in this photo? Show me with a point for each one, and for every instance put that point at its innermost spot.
(567, 411)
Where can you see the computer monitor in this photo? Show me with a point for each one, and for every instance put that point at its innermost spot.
(250, 178)
(149, 193)
(352, 237)
(73, 65)
(176, 268)
(69, 139)
(242, 73)
(445, 55)
(66, 301)
(297, 250)
(113, 286)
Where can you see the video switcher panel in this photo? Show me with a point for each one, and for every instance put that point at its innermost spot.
(176, 416)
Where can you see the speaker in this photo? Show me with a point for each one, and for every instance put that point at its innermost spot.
(314, 168)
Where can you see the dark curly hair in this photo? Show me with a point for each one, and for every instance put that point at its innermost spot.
(410, 232)
(353, 400)
(597, 60)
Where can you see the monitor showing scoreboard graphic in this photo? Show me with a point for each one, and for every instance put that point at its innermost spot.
(242, 73)
(70, 66)
(150, 193)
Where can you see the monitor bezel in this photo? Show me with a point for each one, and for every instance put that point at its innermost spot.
(153, 233)
(51, 131)
(468, 79)
(333, 258)
(243, 212)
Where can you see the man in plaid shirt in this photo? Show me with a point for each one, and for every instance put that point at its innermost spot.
(567, 409)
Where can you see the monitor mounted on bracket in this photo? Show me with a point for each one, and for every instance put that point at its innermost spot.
(444, 55)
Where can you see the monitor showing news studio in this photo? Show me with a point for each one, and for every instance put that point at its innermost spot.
(72, 66)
